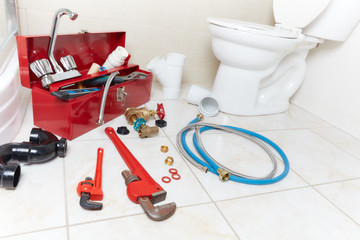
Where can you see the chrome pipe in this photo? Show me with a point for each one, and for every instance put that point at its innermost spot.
(53, 35)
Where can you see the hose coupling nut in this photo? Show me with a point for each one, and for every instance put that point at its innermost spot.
(223, 175)
(200, 117)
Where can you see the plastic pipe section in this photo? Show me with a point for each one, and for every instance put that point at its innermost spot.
(42, 147)
(208, 104)
(169, 73)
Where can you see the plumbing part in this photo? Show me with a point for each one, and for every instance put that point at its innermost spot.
(173, 171)
(132, 114)
(90, 190)
(42, 147)
(94, 68)
(122, 130)
(141, 187)
(100, 121)
(42, 69)
(164, 148)
(160, 123)
(166, 179)
(169, 73)
(169, 161)
(196, 93)
(138, 123)
(208, 104)
(160, 111)
(68, 62)
(53, 35)
(146, 131)
(116, 58)
(210, 164)
(175, 176)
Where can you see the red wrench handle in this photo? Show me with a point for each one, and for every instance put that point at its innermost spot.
(146, 186)
(98, 172)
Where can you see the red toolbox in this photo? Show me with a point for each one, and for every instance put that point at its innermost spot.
(72, 118)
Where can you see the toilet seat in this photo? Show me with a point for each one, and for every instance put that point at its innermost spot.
(254, 28)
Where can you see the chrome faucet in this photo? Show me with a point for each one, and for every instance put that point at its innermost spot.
(58, 15)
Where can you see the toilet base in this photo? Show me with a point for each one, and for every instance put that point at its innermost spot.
(237, 92)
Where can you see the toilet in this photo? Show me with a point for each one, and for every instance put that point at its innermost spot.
(261, 66)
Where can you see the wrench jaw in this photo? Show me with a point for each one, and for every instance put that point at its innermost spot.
(87, 204)
(156, 213)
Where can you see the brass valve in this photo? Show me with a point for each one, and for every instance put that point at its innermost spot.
(146, 131)
(132, 114)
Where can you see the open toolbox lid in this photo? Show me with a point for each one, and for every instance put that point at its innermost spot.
(86, 48)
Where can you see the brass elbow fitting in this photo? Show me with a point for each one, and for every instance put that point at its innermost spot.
(132, 114)
(223, 175)
(146, 131)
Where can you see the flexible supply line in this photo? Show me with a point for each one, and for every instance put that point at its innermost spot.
(210, 164)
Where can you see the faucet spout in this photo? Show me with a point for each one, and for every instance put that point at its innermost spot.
(58, 15)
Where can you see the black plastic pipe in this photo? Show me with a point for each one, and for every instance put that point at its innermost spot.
(42, 147)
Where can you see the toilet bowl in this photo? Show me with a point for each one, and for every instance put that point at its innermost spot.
(261, 67)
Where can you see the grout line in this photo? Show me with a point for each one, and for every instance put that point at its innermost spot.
(66, 203)
(30, 232)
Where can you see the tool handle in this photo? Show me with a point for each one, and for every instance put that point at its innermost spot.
(133, 164)
(98, 171)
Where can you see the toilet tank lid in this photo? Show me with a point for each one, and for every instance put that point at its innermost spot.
(298, 13)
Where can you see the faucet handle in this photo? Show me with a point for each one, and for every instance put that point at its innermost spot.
(68, 62)
(41, 67)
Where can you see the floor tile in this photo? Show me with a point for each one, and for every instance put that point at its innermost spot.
(345, 195)
(244, 156)
(81, 161)
(341, 139)
(266, 122)
(196, 222)
(295, 214)
(315, 159)
(55, 234)
(38, 202)
(305, 118)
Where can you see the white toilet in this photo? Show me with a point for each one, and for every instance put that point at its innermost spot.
(263, 66)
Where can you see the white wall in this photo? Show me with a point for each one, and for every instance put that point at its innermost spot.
(331, 88)
(154, 27)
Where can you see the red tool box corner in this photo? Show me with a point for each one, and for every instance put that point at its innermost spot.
(72, 118)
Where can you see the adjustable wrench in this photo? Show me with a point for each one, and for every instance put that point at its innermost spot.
(141, 187)
(90, 189)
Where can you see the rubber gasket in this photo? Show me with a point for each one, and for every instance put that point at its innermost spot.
(166, 179)
(175, 176)
(173, 171)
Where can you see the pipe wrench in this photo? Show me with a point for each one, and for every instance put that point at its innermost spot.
(141, 187)
(90, 190)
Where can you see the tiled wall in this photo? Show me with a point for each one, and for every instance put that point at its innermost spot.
(154, 27)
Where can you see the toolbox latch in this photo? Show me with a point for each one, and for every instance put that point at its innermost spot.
(121, 95)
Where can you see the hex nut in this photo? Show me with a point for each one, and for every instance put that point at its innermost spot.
(169, 161)
(164, 149)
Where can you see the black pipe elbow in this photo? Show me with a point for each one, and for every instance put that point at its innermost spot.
(42, 147)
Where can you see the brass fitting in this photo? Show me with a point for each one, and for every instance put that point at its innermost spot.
(200, 117)
(132, 114)
(169, 161)
(164, 148)
(223, 175)
(146, 131)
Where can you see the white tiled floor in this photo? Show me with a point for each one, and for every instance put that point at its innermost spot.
(319, 199)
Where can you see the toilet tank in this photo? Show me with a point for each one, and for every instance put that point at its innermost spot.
(325, 19)
(336, 22)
